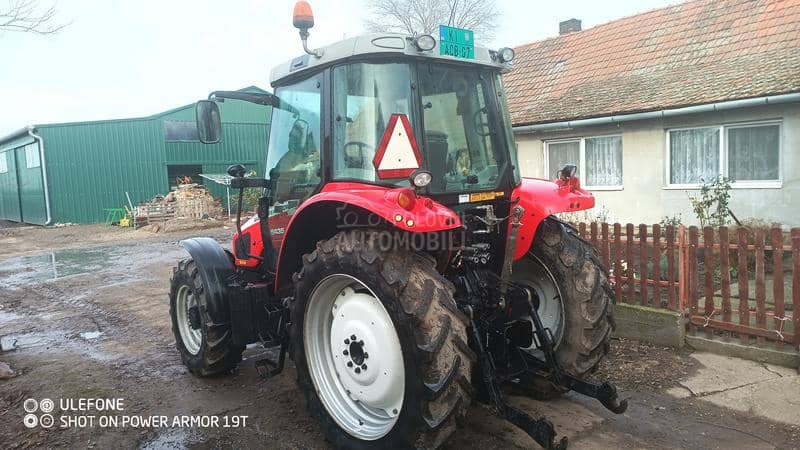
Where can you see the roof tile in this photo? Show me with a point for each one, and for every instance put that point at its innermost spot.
(696, 52)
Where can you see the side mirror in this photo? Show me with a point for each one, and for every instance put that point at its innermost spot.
(209, 126)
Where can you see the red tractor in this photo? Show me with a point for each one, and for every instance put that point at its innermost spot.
(397, 254)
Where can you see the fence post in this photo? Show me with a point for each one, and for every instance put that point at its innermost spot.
(777, 280)
(671, 268)
(708, 266)
(744, 286)
(796, 285)
(604, 253)
(618, 261)
(643, 276)
(683, 270)
(629, 238)
(691, 266)
(657, 266)
(725, 273)
(761, 289)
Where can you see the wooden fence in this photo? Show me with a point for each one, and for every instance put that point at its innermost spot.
(735, 283)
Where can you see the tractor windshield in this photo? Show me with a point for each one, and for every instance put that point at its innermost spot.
(459, 133)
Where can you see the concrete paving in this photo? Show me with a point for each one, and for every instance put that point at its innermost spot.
(768, 391)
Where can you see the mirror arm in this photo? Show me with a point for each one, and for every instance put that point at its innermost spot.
(265, 99)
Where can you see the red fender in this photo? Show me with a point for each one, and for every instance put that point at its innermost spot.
(425, 215)
(541, 198)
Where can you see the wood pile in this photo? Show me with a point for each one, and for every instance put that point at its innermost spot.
(188, 202)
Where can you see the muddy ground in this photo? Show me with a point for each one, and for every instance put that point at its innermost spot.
(87, 307)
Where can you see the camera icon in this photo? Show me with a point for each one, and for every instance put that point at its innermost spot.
(46, 421)
(46, 405)
(30, 420)
(30, 405)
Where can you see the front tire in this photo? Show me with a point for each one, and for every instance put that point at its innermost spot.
(577, 304)
(206, 347)
(402, 314)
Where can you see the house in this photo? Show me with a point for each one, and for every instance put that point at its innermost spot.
(651, 105)
(73, 172)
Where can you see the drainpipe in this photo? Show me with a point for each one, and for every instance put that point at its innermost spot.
(44, 173)
(710, 107)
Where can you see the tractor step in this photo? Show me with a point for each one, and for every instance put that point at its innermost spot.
(267, 368)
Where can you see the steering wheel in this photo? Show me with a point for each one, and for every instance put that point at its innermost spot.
(481, 127)
(349, 161)
(301, 188)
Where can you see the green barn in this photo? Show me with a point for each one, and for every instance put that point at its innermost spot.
(72, 172)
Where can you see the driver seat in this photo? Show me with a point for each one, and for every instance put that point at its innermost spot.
(436, 146)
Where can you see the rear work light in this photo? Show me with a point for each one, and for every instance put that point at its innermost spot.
(425, 42)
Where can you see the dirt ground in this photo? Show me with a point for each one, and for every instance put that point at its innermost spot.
(87, 307)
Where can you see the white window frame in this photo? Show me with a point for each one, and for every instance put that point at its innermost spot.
(582, 163)
(32, 149)
(723, 156)
(3, 162)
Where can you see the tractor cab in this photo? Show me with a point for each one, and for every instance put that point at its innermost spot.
(348, 95)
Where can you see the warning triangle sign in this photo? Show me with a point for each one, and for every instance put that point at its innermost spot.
(397, 155)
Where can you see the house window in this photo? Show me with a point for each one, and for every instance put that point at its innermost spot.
(748, 154)
(3, 162)
(180, 131)
(32, 156)
(599, 160)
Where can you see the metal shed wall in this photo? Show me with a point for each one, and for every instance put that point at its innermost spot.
(91, 165)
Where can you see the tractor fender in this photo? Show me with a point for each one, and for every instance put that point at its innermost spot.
(346, 205)
(540, 199)
(216, 267)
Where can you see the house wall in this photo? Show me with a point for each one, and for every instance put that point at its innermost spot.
(645, 196)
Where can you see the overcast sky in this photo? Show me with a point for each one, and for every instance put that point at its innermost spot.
(138, 57)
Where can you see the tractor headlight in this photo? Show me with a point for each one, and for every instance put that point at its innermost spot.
(505, 54)
(421, 178)
(425, 42)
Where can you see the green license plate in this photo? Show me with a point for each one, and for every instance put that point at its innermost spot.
(456, 42)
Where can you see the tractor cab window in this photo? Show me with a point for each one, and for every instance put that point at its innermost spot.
(463, 148)
(365, 97)
(293, 162)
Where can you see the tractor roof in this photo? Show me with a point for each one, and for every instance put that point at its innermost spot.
(376, 44)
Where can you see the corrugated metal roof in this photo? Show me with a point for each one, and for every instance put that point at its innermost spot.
(24, 130)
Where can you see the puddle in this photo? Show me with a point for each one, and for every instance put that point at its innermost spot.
(6, 317)
(54, 265)
(31, 340)
(172, 438)
(59, 264)
(89, 335)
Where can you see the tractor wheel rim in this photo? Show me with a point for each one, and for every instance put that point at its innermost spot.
(192, 337)
(354, 357)
(543, 284)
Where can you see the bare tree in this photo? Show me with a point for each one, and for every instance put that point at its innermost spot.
(25, 16)
(417, 17)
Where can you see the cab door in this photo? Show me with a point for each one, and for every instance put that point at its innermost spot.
(293, 161)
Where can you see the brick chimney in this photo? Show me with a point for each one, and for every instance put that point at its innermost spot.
(569, 26)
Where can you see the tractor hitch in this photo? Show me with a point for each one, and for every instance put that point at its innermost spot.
(605, 393)
(540, 430)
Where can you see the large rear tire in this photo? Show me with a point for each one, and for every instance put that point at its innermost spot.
(391, 314)
(206, 347)
(575, 301)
